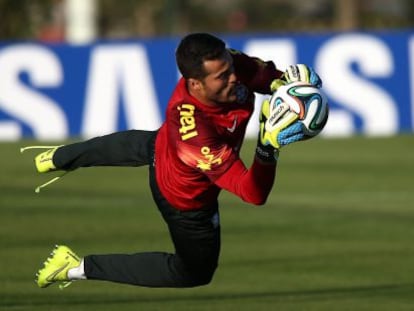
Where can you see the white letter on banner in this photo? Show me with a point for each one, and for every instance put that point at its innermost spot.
(283, 53)
(373, 104)
(39, 112)
(115, 70)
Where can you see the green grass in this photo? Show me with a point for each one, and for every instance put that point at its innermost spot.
(337, 233)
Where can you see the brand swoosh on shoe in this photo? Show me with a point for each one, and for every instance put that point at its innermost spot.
(51, 277)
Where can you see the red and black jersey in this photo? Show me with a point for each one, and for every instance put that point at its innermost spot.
(197, 147)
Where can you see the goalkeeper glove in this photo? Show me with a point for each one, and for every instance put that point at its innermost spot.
(272, 135)
(302, 73)
(291, 134)
(297, 73)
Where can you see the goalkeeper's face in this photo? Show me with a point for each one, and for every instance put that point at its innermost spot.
(219, 85)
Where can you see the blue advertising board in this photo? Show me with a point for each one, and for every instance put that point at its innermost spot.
(57, 91)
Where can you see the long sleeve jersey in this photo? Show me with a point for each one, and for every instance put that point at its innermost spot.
(197, 147)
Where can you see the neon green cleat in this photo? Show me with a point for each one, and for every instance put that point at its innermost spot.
(56, 267)
(44, 161)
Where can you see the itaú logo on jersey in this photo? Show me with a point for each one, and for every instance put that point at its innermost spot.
(208, 159)
(187, 121)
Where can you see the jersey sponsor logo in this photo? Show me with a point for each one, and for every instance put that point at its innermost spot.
(187, 121)
(233, 127)
(52, 277)
(208, 159)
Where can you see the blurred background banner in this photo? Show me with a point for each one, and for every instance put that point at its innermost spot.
(54, 91)
(90, 67)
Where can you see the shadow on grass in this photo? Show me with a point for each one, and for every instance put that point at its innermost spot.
(300, 295)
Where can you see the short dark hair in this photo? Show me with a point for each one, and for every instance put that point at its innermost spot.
(193, 50)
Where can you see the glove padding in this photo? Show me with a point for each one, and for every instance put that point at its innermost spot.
(276, 130)
(278, 124)
(295, 73)
(291, 134)
(302, 73)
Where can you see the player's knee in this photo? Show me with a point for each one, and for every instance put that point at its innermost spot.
(200, 276)
(201, 279)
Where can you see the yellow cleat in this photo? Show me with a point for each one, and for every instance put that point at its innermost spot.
(44, 161)
(56, 267)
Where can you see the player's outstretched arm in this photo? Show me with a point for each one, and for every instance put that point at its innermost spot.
(253, 185)
(280, 125)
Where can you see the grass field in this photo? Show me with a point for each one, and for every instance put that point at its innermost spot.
(337, 233)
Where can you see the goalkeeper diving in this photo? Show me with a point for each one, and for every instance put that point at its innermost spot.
(191, 158)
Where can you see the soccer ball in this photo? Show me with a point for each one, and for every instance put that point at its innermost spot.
(307, 101)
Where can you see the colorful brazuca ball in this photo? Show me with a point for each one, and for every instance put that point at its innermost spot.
(308, 102)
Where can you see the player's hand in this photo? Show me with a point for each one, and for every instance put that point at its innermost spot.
(293, 133)
(275, 123)
(295, 73)
(302, 73)
(274, 130)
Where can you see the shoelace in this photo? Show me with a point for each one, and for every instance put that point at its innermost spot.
(64, 284)
(37, 189)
